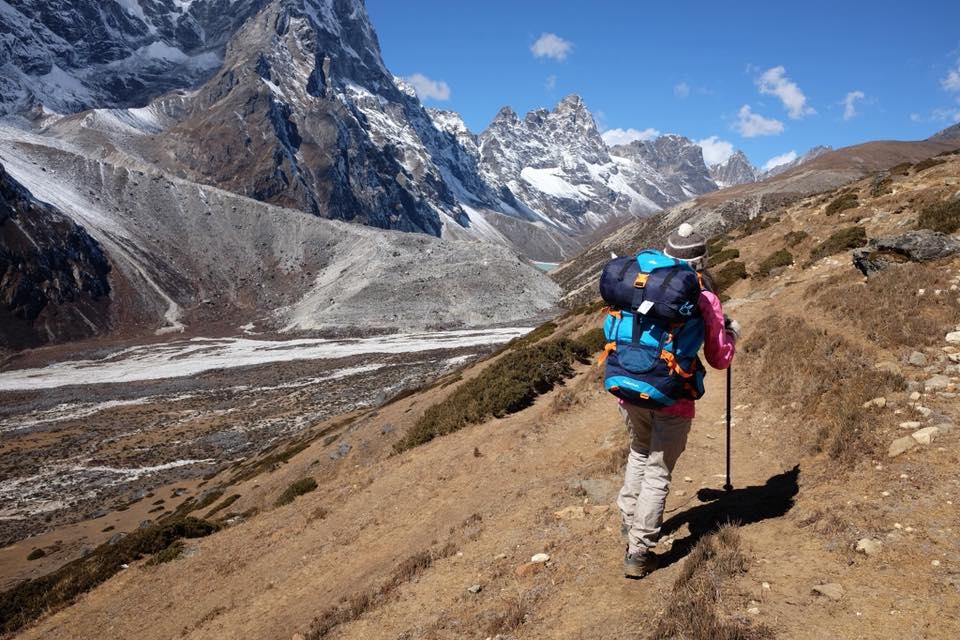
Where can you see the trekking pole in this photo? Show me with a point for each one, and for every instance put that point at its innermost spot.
(729, 486)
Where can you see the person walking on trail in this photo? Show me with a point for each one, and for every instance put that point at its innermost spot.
(665, 310)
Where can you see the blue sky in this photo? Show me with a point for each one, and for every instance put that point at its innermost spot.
(769, 78)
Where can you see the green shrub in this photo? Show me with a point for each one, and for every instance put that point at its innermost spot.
(722, 256)
(943, 217)
(729, 274)
(923, 165)
(223, 505)
(847, 238)
(295, 490)
(36, 554)
(902, 169)
(29, 600)
(506, 386)
(842, 203)
(781, 258)
(716, 244)
(172, 552)
(881, 185)
(593, 341)
(795, 237)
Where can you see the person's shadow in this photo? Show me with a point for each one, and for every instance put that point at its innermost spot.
(739, 506)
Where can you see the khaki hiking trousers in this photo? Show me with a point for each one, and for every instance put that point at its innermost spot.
(658, 439)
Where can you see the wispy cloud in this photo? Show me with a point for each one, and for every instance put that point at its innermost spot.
(782, 159)
(715, 150)
(774, 82)
(681, 90)
(428, 89)
(614, 137)
(551, 83)
(550, 45)
(751, 125)
(952, 80)
(849, 104)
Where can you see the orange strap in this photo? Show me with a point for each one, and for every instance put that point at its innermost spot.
(610, 346)
(671, 361)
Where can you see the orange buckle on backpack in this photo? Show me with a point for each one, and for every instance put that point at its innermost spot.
(641, 280)
(671, 361)
(610, 346)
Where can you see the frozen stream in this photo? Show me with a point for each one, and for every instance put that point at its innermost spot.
(183, 358)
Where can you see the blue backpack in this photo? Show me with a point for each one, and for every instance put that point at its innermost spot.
(653, 329)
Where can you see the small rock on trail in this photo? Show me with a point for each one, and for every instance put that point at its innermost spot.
(830, 590)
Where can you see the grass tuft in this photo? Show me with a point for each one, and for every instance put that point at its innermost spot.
(842, 203)
(295, 490)
(729, 274)
(693, 611)
(847, 238)
(775, 260)
(943, 217)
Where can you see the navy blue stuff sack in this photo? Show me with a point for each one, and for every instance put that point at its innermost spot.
(652, 283)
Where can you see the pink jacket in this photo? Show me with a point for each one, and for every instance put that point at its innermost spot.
(718, 346)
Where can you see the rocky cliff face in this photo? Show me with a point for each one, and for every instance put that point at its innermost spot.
(736, 169)
(76, 54)
(53, 276)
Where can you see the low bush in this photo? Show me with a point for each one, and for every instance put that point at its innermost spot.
(223, 505)
(593, 341)
(943, 217)
(693, 610)
(902, 169)
(842, 203)
(847, 238)
(31, 599)
(295, 490)
(172, 552)
(826, 379)
(777, 259)
(887, 308)
(506, 386)
(722, 256)
(727, 275)
(881, 185)
(929, 163)
(794, 238)
(716, 244)
(754, 225)
(36, 554)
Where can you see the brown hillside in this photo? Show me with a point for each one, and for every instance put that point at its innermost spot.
(395, 545)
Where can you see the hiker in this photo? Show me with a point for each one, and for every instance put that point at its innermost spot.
(663, 315)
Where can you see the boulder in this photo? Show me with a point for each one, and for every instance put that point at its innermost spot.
(921, 245)
(917, 359)
(869, 546)
(937, 383)
(926, 435)
(830, 590)
(901, 445)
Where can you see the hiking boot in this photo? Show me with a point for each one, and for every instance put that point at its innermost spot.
(638, 564)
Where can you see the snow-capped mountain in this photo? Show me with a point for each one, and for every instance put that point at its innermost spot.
(736, 169)
(814, 152)
(77, 54)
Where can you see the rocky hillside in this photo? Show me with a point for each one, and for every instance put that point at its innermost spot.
(497, 501)
(54, 278)
(71, 55)
(187, 256)
(717, 211)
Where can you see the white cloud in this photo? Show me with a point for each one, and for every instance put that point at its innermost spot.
(551, 83)
(715, 150)
(774, 82)
(681, 90)
(428, 89)
(849, 104)
(952, 81)
(915, 117)
(782, 159)
(614, 137)
(751, 125)
(550, 45)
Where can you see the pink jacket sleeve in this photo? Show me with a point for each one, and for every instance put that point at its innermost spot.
(719, 346)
